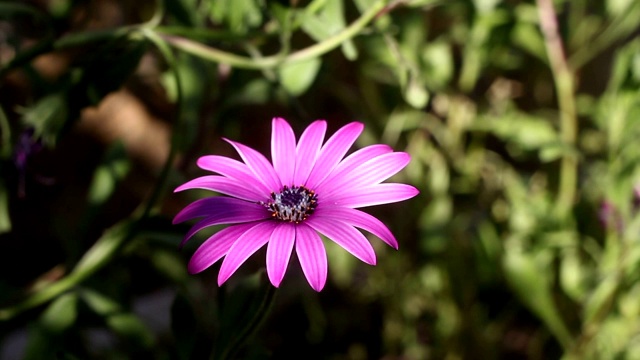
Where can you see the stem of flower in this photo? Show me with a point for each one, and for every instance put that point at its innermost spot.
(252, 325)
(564, 83)
(219, 56)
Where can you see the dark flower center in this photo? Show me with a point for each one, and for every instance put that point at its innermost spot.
(292, 204)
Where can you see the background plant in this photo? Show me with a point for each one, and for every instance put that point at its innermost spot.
(522, 119)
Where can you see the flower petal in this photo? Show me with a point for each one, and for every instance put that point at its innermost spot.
(247, 244)
(259, 165)
(307, 150)
(224, 166)
(215, 247)
(359, 219)
(378, 194)
(346, 236)
(231, 168)
(312, 256)
(333, 151)
(215, 206)
(368, 173)
(358, 157)
(224, 185)
(232, 216)
(279, 251)
(283, 149)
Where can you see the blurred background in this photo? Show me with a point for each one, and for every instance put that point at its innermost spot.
(522, 119)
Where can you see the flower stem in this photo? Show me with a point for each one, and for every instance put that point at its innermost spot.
(251, 326)
(565, 92)
(219, 56)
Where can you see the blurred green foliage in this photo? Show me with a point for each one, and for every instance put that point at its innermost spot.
(522, 119)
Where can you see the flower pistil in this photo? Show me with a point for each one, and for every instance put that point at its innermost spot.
(292, 204)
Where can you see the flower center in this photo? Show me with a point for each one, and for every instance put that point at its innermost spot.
(292, 204)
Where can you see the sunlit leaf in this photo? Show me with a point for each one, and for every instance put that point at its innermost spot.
(617, 7)
(439, 65)
(297, 77)
(327, 22)
(47, 333)
(572, 275)
(240, 15)
(416, 94)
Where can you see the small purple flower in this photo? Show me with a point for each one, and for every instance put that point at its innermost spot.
(307, 189)
(27, 145)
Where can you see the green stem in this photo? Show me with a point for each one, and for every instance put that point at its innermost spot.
(564, 84)
(95, 258)
(77, 39)
(252, 325)
(109, 245)
(175, 139)
(219, 56)
(5, 134)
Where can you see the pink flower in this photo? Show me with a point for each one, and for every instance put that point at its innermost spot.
(307, 189)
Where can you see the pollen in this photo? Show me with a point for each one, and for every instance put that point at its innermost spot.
(292, 204)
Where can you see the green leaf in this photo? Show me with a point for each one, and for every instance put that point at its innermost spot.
(256, 91)
(416, 94)
(297, 77)
(625, 67)
(127, 325)
(528, 274)
(180, 11)
(108, 174)
(437, 213)
(240, 15)
(46, 334)
(484, 6)
(327, 22)
(61, 314)
(528, 38)
(343, 264)
(572, 275)
(618, 7)
(439, 66)
(48, 116)
(554, 151)
(600, 300)
(5, 219)
(525, 131)
(95, 258)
